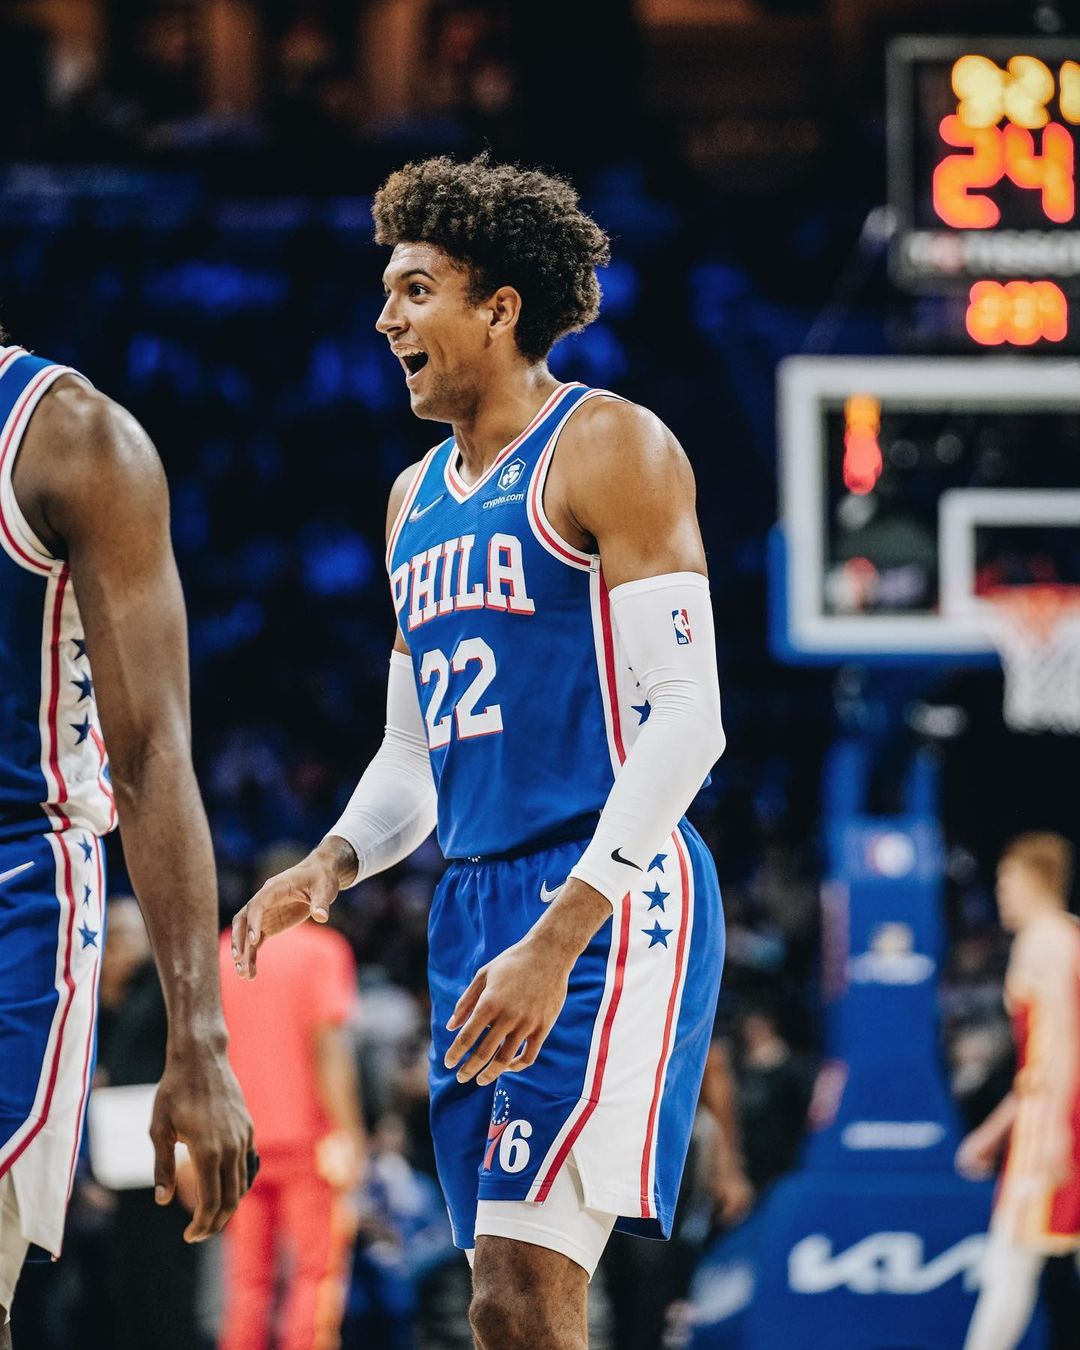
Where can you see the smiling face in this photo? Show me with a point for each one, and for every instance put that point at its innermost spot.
(445, 342)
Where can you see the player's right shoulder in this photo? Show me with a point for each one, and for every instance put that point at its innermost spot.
(83, 454)
(402, 484)
(1045, 941)
(81, 430)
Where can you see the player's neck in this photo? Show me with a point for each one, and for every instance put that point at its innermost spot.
(1040, 908)
(505, 408)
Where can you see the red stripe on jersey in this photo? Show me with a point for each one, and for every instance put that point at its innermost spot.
(90, 1031)
(410, 497)
(10, 356)
(54, 701)
(454, 480)
(103, 782)
(27, 394)
(609, 668)
(536, 516)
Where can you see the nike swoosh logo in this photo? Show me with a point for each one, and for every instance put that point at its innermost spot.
(547, 896)
(618, 857)
(418, 511)
(14, 871)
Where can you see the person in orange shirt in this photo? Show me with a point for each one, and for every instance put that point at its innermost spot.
(289, 1047)
(1037, 1206)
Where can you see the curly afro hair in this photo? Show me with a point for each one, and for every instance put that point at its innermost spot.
(509, 227)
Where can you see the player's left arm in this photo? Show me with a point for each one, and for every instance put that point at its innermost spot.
(732, 1191)
(628, 486)
(95, 478)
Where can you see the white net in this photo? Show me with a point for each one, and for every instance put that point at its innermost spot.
(1036, 629)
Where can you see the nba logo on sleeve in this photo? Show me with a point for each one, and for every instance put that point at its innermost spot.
(681, 620)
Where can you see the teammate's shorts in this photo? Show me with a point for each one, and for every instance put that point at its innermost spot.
(618, 1078)
(52, 927)
(563, 1223)
(1030, 1208)
(13, 1246)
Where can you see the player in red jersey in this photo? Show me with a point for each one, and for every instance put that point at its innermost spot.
(1037, 1207)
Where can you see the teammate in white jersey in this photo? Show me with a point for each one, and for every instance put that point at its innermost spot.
(93, 653)
(553, 701)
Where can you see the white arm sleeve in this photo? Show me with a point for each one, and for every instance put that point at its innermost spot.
(665, 625)
(392, 810)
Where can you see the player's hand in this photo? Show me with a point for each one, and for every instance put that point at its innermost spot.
(733, 1195)
(199, 1103)
(977, 1155)
(507, 1011)
(305, 891)
(341, 1159)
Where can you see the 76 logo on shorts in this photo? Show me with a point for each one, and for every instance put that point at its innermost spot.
(506, 1135)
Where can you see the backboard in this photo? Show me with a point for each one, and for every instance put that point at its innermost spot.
(908, 488)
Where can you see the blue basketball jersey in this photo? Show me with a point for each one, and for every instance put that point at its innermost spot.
(529, 704)
(53, 768)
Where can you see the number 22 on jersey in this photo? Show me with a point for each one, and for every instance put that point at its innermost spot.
(465, 716)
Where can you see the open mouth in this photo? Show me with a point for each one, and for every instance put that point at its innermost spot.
(415, 362)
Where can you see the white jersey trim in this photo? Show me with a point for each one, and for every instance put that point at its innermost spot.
(406, 505)
(18, 539)
(613, 1129)
(674, 1008)
(41, 1155)
(462, 491)
(545, 533)
(604, 644)
(78, 793)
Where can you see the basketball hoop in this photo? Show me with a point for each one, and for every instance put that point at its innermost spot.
(1036, 629)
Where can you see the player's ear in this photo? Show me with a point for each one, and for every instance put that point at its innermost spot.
(505, 309)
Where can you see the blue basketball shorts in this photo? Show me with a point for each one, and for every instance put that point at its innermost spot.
(616, 1083)
(52, 929)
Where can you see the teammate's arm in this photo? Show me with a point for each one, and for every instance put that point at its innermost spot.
(89, 472)
(338, 1086)
(732, 1191)
(622, 482)
(979, 1151)
(391, 812)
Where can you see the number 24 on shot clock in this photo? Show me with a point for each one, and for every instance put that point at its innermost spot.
(983, 144)
(997, 114)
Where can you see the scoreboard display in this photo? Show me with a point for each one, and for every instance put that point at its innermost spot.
(983, 148)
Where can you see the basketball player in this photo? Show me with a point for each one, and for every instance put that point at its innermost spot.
(1037, 1207)
(84, 513)
(554, 673)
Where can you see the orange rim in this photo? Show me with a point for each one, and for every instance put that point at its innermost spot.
(1038, 608)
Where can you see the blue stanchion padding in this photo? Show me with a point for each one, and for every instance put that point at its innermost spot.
(849, 1262)
(883, 1103)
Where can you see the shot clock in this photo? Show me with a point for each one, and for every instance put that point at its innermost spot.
(984, 137)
